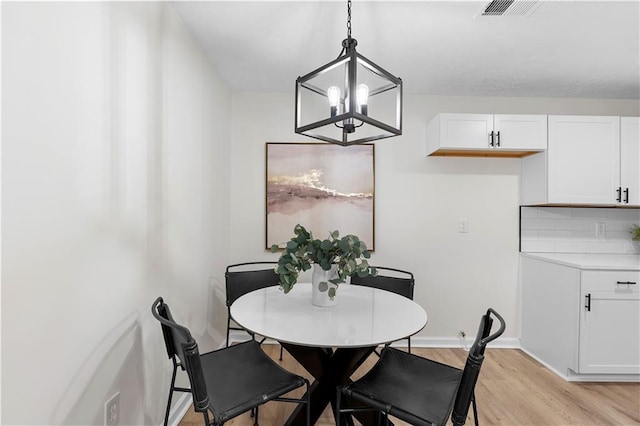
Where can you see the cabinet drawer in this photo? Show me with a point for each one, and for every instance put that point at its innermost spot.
(611, 281)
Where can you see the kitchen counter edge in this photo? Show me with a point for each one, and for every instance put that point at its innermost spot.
(587, 261)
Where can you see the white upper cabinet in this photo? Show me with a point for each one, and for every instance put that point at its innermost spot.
(520, 132)
(630, 161)
(589, 161)
(584, 159)
(486, 135)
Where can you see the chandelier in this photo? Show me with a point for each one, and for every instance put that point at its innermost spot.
(350, 100)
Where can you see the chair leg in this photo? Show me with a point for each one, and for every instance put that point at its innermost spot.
(173, 382)
(308, 402)
(409, 344)
(205, 414)
(228, 326)
(338, 401)
(280, 352)
(475, 409)
(255, 419)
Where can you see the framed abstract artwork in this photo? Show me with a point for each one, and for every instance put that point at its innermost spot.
(323, 187)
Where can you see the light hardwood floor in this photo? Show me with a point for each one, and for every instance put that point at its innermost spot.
(513, 389)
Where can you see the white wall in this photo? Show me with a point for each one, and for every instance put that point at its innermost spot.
(115, 189)
(418, 202)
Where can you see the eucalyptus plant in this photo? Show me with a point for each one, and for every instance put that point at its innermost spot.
(349, 253)
(635, 232)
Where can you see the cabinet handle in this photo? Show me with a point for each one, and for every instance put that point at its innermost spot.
(498, 138)
(619, 197)
(491, 139)
(626, 282)
(626, 195)
(588, 302)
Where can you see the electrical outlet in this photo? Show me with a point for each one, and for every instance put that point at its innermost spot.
(112, 410)
(463, 225)
(600, 229)
(463, 342)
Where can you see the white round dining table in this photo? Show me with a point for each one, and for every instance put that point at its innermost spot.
(329, 342)
(363, 316)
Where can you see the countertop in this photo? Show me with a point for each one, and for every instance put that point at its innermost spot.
(629, 262)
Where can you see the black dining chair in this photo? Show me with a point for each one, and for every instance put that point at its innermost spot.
(242, 278)
(227, 382)
(418, 390)
(390, 279)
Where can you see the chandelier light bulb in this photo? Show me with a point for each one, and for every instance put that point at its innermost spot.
(362, 98)
(333, 93)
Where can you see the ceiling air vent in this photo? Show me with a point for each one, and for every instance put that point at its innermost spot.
(509, 8)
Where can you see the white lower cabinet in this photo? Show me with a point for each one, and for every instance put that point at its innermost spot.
(584, 324)
(609, 323)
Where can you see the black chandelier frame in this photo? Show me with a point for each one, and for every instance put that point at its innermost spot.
(352, 117)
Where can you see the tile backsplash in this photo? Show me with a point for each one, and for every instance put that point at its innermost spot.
(577, 230)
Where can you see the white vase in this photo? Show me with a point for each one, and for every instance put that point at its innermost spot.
(321, 298)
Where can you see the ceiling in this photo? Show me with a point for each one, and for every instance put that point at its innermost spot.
(577, 49)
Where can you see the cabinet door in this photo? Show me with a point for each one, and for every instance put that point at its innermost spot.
(465, 131)
(630, 160)
(609, 334)
(583, 159)
(610, 322)
(521, 132)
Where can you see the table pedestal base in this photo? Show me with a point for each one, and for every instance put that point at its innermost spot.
(330, 369)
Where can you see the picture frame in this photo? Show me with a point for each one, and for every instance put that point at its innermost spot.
(323, 187)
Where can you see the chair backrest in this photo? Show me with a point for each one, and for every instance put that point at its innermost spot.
(180, 344)
(473, 365)
(241, 281)
(390, 279)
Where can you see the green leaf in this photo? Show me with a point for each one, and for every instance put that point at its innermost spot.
(274, 248)
(335, 234)
(292, 245)
(332, 293)
(323, 286)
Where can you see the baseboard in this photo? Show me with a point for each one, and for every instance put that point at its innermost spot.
(416, 341)
(545, 364)
(455, 342)
(575, 377)
(180, 408)
(626, 378)
(241, 336)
